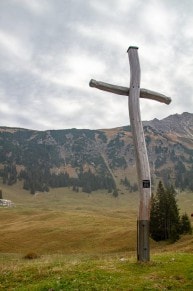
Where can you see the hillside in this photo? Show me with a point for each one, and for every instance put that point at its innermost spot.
(84, 242)
(97, 159)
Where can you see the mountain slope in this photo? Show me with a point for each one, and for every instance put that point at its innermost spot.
(97, 159)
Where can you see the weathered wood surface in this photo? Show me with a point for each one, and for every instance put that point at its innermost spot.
(143, 171)
(120, 90)
(142, 162)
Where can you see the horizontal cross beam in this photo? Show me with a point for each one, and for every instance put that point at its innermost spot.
(120, 90)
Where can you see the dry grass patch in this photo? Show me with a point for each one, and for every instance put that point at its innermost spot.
(68, 222)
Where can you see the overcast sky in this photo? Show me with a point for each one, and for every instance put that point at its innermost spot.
(50, 49)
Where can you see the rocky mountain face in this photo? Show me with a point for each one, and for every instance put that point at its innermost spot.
(180, 124)
(97, 159)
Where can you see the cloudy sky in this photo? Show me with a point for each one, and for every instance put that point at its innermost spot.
(50, 49)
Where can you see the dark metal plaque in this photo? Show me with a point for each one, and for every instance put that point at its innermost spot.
(146, 183)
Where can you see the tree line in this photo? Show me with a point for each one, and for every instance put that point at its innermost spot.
(40, 178)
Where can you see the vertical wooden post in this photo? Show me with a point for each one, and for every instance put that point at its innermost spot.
(142, 163)
(143, 171)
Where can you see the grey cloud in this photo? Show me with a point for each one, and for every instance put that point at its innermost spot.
(50, 35)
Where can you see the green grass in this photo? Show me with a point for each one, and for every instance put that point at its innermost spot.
(169, 271)
(85, 242)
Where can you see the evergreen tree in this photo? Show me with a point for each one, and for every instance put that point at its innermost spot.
(115, 193)
(164, 215)
(185, 224)
(172, 218)
(155, 218)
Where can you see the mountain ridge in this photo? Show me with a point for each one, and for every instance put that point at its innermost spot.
(176, 122)
(167, 122)
(104, 158)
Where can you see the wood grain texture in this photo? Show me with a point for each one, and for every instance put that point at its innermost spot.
(142, 162)
(120, 90)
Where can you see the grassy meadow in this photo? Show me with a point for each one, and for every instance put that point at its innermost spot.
(85, 242)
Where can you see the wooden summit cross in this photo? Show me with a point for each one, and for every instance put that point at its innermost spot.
(142, 164)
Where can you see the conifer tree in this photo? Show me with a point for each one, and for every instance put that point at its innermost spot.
(185, 224)
(164, 215)
(156, 220)
(115, 193)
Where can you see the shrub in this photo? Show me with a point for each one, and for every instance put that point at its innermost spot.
(31, 256)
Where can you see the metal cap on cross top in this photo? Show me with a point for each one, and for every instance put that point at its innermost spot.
(142, 163)
(132, 47)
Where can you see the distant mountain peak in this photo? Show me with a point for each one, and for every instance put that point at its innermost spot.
(181, 124)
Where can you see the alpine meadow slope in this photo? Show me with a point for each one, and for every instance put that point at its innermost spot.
(63, 237)
(90, 160)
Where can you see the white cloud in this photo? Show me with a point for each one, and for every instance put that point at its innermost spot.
(159, 20)
(75, 71)
(49, 50)
(36, 6)
(14, 46)
(111, 35)
(65, 107)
